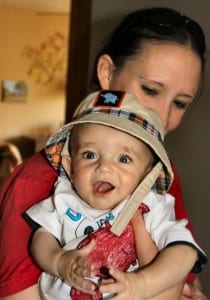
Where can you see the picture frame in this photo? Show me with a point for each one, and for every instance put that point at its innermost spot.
(14, 91)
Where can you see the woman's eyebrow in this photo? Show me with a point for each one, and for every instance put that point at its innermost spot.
(151, 80)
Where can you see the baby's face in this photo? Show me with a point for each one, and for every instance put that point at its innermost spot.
(106, 164)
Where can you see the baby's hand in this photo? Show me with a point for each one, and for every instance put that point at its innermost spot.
(124, 285)
(73, 267)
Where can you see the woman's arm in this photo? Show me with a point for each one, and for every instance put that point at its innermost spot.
(29, 183)
(31, 293)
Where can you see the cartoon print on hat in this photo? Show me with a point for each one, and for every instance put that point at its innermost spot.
(113, 99)
(122, 111)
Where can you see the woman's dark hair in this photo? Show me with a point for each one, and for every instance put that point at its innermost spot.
(152, 24)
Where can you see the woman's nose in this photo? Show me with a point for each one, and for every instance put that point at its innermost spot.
(164, 113)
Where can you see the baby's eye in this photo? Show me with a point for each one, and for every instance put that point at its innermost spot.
(89, 155)
(149, 91)
(125, 159)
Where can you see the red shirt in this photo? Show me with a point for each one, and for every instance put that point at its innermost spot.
(30, 183)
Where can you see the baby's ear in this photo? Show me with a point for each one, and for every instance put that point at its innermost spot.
(66, 163)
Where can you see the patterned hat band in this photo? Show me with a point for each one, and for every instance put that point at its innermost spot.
(127, 115)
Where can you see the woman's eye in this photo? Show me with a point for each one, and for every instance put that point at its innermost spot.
(180, 104)
(125, 159)
(149, 91)
(88, 155)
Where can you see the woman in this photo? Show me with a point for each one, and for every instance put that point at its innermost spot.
(150, 54)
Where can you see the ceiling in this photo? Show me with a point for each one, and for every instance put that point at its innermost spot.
(41, 5)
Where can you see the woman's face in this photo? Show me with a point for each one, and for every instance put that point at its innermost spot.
(165, 77)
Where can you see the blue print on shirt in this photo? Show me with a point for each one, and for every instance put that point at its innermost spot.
(83, 225)
(107, 218)
(74, 216)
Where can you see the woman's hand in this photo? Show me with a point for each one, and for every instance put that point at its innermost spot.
(192, 291)
(73, 267)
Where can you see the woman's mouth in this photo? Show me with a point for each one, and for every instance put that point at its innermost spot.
(102, 187)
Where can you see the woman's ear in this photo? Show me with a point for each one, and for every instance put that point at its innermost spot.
(105, 69)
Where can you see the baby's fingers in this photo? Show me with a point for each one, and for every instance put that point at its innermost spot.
(85, 250)
(117, 285)
(85, 285)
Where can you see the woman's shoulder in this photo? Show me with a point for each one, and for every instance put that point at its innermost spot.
(29, 183)
(36, 165)
(34, 173)
(175, 188)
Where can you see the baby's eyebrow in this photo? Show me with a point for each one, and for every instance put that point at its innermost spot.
(130, 150)
(85, 145)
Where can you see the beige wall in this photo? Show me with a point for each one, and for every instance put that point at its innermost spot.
(45, 104)
(189, 145)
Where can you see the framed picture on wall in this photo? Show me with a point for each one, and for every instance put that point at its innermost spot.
(14, 91)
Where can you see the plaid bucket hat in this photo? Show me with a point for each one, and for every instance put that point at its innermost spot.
(122, 111)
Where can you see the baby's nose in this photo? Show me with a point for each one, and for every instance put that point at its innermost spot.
(105, 166)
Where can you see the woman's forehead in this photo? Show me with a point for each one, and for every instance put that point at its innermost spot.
(163, 62)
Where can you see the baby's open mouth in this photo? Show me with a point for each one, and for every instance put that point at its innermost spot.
(102, 187)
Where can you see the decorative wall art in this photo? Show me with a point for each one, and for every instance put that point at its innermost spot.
(47, 61)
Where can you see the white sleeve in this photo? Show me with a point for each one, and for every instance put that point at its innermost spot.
(161, 223)
(47, 214)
